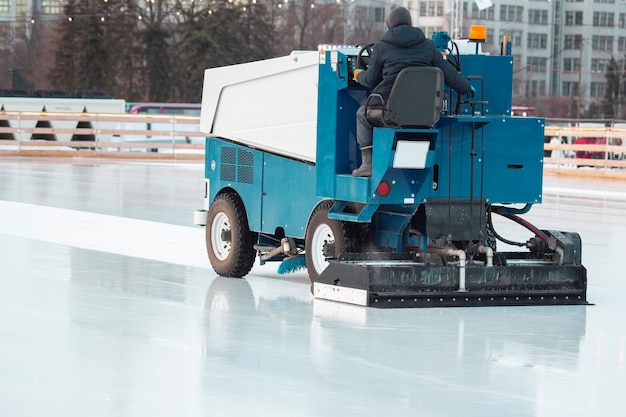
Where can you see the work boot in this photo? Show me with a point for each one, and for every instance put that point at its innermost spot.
(365, 170)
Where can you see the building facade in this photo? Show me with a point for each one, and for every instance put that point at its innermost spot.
(17, 9)
(562, 48)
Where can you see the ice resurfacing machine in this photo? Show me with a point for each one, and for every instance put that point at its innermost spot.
(419, 232)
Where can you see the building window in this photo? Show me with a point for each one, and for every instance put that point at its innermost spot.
(491, 35)
(621, 23)
(602, 43)
(597, 89)
(604, 19)
(484, 14)
(537, 40)
(599, 65)
(516, 36)
(51, 7)
(431, 8)
(20, 7)
(536, 17)
(537, 88)
(517, 62)
(621, 44)
(536, 64)
(573, 18)
(604, 1)
(570, 88)
(571, 64)
(360, 13)
(510, 13)
(531, 89)
(379, 14)
(573, 41)
(5, 6)
(542, 87)
(429, 30)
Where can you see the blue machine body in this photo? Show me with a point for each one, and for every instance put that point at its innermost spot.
(418, 232)
(504, 152)
(508, 167)
(480, 153)
(277, 192)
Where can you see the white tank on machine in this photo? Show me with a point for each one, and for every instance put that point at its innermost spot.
(269, 104)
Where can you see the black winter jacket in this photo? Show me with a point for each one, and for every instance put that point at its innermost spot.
(404, 46)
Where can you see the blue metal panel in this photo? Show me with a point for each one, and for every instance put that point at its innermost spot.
(337, 150)
(276, 191)
(327, 130)
(349, 188)
(364, 215)
(288, 195)
(496, 72)
(507, 163)
(484, 155)
(240, 168)
(405, 183)
(514, 160)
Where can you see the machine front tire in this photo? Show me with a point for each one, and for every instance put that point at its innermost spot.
(324, 235)
(229, 242)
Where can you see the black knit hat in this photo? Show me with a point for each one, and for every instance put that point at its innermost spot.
(398, 16)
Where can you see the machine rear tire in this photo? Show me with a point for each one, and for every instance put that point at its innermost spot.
(327, 234)
(229, 242)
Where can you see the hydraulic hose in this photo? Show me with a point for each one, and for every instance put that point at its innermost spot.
(519, 221)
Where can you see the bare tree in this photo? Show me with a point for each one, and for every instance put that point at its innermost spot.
(27, 50)
(555, 107)
(613, 104)
(155, 30)
(158, 52)
(305, 25)
(96, 39)
(363, 28)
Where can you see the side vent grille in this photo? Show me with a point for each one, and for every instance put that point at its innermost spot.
(237, 165)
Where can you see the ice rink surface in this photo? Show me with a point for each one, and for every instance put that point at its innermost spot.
(109, 307)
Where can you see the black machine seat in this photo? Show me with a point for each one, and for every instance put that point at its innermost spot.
(415, 100)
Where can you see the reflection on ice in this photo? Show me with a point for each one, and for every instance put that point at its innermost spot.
(122, 316)
(396, 358)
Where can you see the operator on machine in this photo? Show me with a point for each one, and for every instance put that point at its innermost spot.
(401, 46)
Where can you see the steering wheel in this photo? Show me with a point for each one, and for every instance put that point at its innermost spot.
(362, 61)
